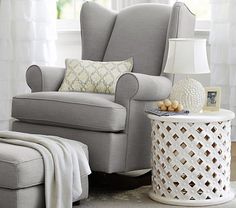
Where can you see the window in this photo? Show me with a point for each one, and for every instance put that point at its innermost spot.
(69, 10)
(199, 7)
(68, 13)
(202, 10)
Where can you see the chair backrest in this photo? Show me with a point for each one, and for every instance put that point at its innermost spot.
(139, 31)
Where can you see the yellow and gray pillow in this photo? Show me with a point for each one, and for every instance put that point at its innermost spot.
(94, 76)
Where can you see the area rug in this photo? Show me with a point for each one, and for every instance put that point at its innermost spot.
(99, 198)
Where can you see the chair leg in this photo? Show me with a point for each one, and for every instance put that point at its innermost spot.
(118, 181)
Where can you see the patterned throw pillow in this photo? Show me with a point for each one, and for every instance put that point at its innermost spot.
(94, 76)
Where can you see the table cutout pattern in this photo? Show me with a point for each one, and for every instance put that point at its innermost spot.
(191, 161)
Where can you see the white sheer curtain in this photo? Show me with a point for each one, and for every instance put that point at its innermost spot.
(27, 35)
(223, 52)
(120, 4)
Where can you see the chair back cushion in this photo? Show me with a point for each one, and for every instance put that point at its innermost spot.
(140, 32)
(96, 27)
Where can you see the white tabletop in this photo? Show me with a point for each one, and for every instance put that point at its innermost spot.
(213, 116)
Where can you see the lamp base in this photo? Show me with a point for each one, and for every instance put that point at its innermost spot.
(190, 93)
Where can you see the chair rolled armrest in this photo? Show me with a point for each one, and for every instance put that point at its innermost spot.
(44, 78)
(135, 86)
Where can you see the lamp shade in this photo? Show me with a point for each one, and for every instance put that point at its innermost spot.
(187, 56)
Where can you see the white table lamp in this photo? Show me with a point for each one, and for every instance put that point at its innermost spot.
(188, 56)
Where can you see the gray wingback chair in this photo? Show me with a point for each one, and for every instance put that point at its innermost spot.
(114, 127)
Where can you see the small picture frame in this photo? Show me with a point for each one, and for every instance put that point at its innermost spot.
(213, 99)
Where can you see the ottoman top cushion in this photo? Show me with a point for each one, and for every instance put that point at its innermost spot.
(20, 167)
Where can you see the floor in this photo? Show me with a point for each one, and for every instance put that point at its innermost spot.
(137, 198)
(102, 198)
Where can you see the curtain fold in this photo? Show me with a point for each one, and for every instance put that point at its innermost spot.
(27, 36)
(223, 52)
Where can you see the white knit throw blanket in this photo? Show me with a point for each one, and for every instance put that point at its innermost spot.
(64, 161)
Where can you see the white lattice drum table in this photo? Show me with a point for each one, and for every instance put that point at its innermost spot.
(191, 158)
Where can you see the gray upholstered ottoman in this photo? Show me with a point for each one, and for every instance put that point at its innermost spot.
(22, 177)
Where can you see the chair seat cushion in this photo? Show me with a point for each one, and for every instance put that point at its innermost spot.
(20, 167)
(87, 111)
